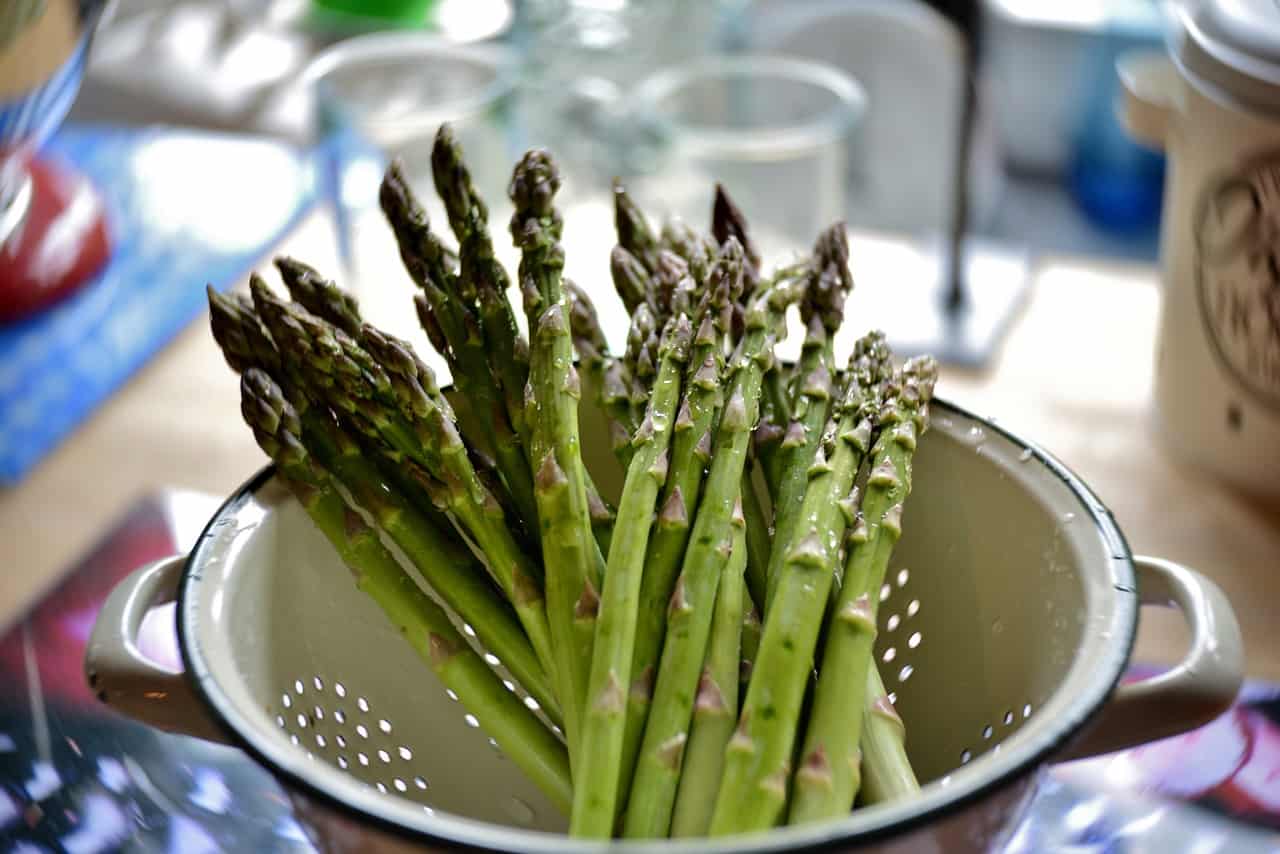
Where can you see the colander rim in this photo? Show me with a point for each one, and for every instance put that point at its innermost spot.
(472, 835)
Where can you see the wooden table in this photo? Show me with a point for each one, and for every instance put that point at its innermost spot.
(1074, 375)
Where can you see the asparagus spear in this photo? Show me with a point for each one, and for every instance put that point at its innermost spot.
(339, 372)
(424, 623)
(467, 353)
(758, 757)
(823, 312)
(775, 414)
(727, 220)
(672, 281)
(631, 280)
(698, 251)
(690, 453)
(320, 296)
(569, 553)
(716, 707)
(751, 630)
(469, 218)
(886, 771)
(600, 751)
(758, 541)
(604, 373)
(828, 778)
(634, 233)
(689, 619)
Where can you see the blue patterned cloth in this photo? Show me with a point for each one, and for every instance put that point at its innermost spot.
(185, 209)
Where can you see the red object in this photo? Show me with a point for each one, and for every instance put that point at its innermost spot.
(60, 243)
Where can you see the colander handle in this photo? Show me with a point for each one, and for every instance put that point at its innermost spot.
(128, 681)
(1193, 692)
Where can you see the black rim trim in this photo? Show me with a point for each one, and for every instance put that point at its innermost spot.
(1102, 517)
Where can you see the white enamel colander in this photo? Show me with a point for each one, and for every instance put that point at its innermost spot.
(1007, 620)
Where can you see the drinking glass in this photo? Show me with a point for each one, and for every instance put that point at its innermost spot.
(775, 131)
(383, 96)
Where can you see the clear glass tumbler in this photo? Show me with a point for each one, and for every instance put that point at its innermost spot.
(775, 131)
(384, 96)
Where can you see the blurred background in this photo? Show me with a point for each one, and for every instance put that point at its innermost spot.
(162, 145)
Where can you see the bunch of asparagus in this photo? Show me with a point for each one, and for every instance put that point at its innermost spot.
(700, 654)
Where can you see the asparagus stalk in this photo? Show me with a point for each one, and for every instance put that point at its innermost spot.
(727, 220)
(631, 280)
(775, 414)
(467, 353)
(320, 296)
(690, 454)
(886, 771)
(408, 419)
(424, 623)
(716, 707)
(657, 773)
(673, 283)
(469, 219)
(758, 757)
(572, 560)
(759, 543)
(828, 778)
(698, 251)
(751, 630)
(604, 374)
(601, 747)
(450, 569)
(799, 443)
(634, 233)
(823, 312)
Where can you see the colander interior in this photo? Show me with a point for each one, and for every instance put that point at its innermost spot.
(1000, 616)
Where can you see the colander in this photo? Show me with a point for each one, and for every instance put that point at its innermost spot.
(1008, 616)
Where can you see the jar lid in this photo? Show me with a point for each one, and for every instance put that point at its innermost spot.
(1233, 46)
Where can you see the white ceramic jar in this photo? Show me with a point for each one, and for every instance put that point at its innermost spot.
(1213, 104)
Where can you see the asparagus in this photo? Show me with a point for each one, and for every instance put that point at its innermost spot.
(320, 296)
(468, 216)
(775, 413)
(673, 284)
(716, 707)
(759, 543)
(634, 233)
(828, 778)
(751, 629)
(420, 620)
(569, 552)
(690, 453)
(689, 618)
(467, 351)
(631, 280)
(408, 419)
(605, 376)
(600, 751)
(822, 311)
(450, 569)
(425, 536)
(727, 220)
(886, 770)
(758, 757)
(698, 251)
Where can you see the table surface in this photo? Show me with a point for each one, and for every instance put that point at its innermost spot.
(1074, 375)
